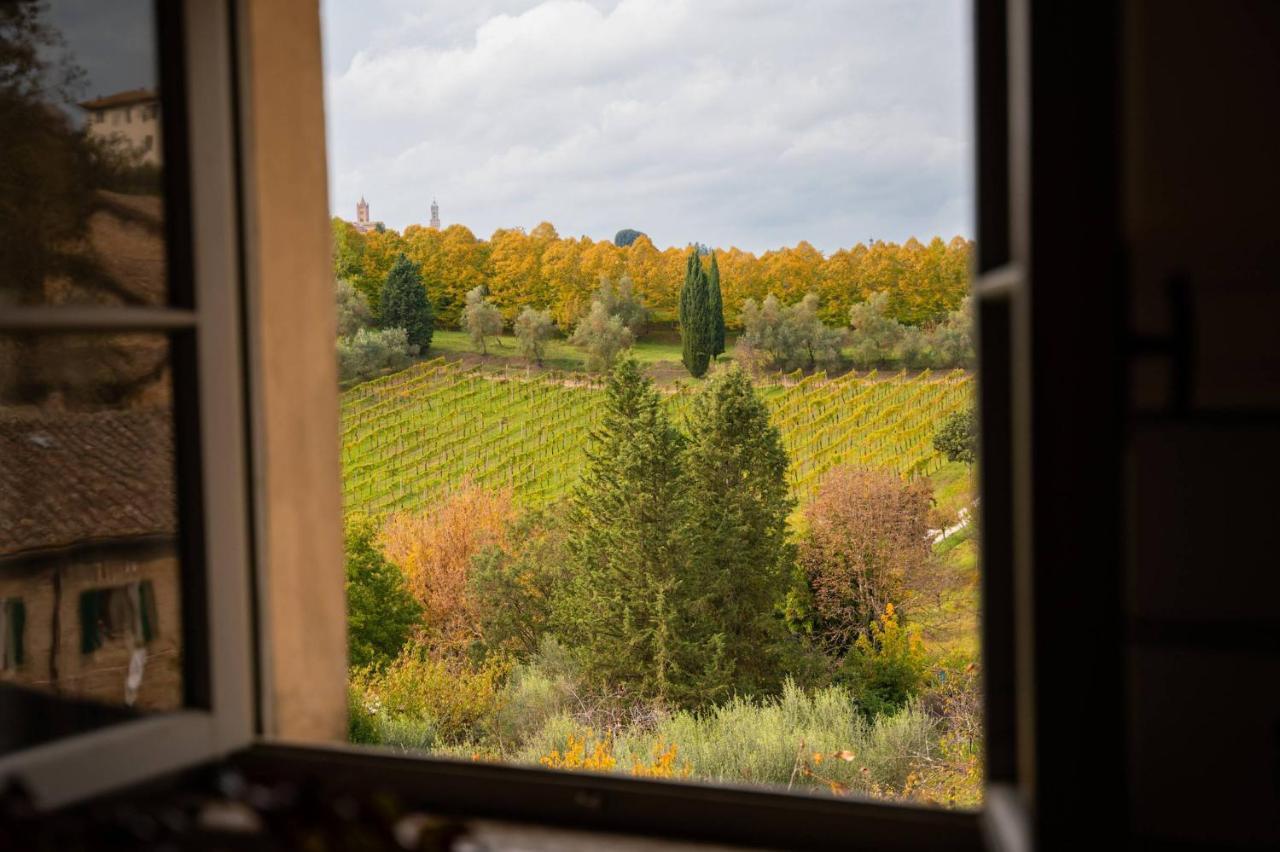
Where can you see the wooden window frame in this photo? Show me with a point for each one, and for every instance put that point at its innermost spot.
(203, 324)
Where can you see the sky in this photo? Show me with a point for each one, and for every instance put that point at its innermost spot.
(114, 44)
(748, 123)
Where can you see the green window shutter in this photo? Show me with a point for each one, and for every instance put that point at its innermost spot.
(90, 613)
(147, 600)
(17, 620)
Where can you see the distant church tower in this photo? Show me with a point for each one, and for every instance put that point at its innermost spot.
(362, 223)
(435, 215)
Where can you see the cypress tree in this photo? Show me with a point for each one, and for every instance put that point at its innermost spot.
(624, 516)
(738, 562)
(715, 303)
(405, 304)
(695, 318)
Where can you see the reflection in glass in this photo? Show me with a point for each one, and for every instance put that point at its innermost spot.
(82, 216)
(89, 573)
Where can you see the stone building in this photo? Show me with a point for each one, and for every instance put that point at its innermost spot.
(362, 222)
(129, 119)
(89, 570)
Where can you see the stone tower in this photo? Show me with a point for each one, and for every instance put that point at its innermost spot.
(362, 212)
(435, 215)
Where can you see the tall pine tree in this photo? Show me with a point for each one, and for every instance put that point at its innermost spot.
(405, 304)
(696, 335)
(715, 305)
(618, 609)
(738, 562)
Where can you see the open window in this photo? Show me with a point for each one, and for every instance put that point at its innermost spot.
(124, 553)
(170, 498)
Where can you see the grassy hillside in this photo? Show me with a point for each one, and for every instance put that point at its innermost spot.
(412, 435)
(560, 354)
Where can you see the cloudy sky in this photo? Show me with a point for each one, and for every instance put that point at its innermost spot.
(755, 123)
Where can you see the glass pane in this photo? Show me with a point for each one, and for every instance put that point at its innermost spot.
(90, 592)
(82, 221)
(657, 388)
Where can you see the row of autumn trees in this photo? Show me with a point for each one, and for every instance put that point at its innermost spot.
(921, 282)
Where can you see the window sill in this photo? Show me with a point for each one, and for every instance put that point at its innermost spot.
(634, 808)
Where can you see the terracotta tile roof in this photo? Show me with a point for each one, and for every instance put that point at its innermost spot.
(80, 478)
(119, 99)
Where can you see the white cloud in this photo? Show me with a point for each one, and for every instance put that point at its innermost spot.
(754, 123)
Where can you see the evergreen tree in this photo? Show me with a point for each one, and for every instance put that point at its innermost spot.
(618, 607)
(405, 303)
(695, 318)
(381, 612)
(715, 305)
(734, 536)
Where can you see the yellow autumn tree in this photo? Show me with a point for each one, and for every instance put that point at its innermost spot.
(644, 267)
(464, 265)
(435, 549)
(569, 289)
(515, 280)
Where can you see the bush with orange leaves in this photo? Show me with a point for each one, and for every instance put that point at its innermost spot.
(867, 544)
(435, 549)
(588, 753)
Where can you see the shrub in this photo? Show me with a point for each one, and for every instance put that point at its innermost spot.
(951, 341)
(952, 775)
(788, 338)
(886, 666)
(621, 301)
(460, 701)
(602, 337)
(815, 344)
(765, 342)
(876, 335)
(362, 723)
(515, 582)
(797, 738)
(435, 548)
(381, 614)
(533, 329)
(948, 344)
(590, 753)
(481, 318)
(367, 353)
(957, 437)
(866, 543)
(542, 688)
(353, 308)
(914, 349)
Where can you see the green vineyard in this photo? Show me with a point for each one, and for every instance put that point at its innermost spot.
(412, 435)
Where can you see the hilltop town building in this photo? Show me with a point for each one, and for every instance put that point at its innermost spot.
(128, 119)
(362, 222)
(364, 225)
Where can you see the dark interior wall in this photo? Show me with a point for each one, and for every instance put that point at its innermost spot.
(1201, 185)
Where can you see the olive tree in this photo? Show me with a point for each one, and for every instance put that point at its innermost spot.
(481, 319)
(601, 336)
(533, 329)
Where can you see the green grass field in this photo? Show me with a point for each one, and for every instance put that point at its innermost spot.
(560, 355)
(412, 435)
